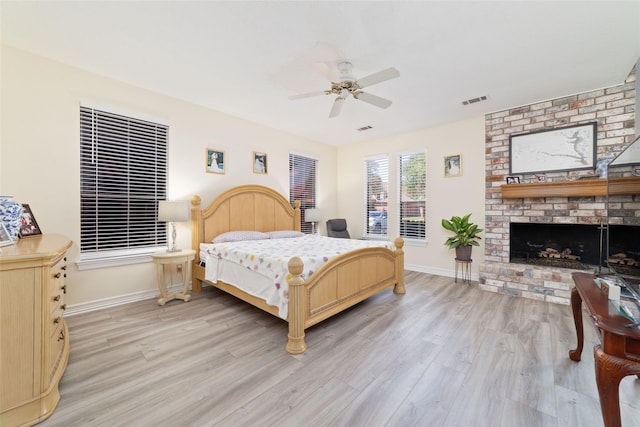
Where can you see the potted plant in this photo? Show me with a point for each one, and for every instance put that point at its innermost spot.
(465, 235)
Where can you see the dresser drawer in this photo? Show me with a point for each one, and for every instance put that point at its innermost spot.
(57, 287)
(56, 346)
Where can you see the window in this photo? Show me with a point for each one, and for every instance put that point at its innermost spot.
(413, 179)
(123, 174)
(377, 183)
(302, 185)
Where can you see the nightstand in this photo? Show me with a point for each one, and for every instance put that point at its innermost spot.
(182, 260)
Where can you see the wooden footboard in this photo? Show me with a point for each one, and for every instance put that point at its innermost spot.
(339, 284)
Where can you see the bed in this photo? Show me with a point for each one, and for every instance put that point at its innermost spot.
(341, 282)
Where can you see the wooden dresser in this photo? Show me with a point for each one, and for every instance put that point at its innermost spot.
(34, 340)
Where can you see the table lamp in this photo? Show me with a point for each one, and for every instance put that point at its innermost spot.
(172, 212)
(312, 216)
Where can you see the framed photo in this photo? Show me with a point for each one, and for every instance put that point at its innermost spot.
(5, 238)
(561, 149)
(513, 180)
(453, 165)
(215, 161)
(259, 162)
(28, 224)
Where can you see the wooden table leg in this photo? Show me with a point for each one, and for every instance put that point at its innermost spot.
(610, 370)
(576, 308)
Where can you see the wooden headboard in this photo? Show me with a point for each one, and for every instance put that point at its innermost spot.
(247, 207)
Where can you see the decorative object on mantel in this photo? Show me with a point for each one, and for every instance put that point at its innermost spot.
(465, 235)
(513, 180)
(10, 212)
(602, 167)
(560, 149)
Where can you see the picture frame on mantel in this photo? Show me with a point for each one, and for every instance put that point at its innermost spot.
(560, 149)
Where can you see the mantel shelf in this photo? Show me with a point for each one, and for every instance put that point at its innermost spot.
(580, 188)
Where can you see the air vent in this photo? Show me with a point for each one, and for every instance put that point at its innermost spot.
(474, 100)
(363, 128)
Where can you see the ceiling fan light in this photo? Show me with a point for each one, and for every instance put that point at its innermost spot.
(344, 93)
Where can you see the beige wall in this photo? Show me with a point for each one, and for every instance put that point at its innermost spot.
(445, 196)
(39, 156)
(39, 159)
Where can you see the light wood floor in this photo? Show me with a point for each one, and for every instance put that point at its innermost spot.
(444, 354)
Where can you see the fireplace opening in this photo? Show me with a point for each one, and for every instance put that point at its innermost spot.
(576, 246)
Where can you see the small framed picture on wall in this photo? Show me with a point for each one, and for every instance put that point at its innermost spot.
(259, 162)
(453, 165)
(215, 161)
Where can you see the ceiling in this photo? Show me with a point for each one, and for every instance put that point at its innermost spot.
(247, 58)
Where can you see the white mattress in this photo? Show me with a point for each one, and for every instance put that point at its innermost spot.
(259, 267)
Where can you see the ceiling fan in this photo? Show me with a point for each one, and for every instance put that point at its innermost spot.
(349, 85)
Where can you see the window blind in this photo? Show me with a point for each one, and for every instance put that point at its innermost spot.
(123, 175)
(377, 188)
(302, 185)
(413, 183)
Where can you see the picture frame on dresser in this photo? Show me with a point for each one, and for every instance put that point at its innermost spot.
(553, 150)
(5, 237)
(28, 225)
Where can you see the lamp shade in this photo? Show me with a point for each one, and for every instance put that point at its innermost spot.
(312, 215)
(170, 211)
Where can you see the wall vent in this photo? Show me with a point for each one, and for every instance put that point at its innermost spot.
(363, 128)
(474, 100)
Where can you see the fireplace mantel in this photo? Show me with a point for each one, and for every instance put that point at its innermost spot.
(580, 188)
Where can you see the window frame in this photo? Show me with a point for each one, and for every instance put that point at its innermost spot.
(126, 135)
(312, 199)
(402, 209)
(383, 201)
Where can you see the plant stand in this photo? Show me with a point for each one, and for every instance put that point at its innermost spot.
(464, 265)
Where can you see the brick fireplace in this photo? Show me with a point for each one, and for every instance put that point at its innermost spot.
(614, 111)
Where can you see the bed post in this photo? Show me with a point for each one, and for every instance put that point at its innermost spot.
(399, 254)
(197, 235)
(296, 219)
(297, 308)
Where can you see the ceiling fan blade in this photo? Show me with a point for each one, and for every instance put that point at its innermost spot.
(308, 95)
(379, 77)
(337, 107)
(372, 99)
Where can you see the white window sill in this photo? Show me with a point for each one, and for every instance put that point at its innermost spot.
(93, 260)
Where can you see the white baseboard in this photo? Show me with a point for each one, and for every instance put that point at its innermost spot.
(437, 271)
(86, 307)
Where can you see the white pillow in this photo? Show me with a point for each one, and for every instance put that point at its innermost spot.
(236, 236)
(284, 234)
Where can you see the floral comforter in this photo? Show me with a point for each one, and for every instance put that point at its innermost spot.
(269, 258)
